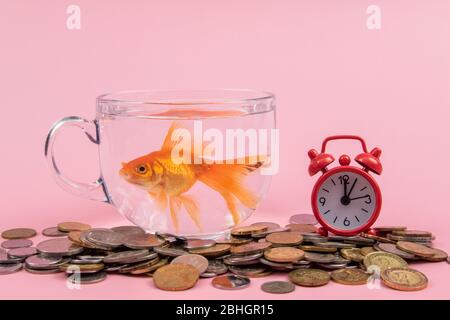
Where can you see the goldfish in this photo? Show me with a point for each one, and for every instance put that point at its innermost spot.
(167, 182)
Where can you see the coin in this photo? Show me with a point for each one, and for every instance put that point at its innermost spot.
(144, 241)
(141, 267)
(265, 233)
(198, 244)
(169, 252)
(425, 240)
(230, 282)
(284, 254)
(249, 248)
(81, 268)
(439, 255)
(302, 228)
(353, 254)
(105, 237)
(175, 277)
(5, 258)
(73, 226)
(53, 232)
(335, 245)
(126, 256)
(384, 260)
(389, 228)
(366, 250)
(303, 219)
(392, 248)
(248, 230)
(86, 243)
(309, 277)
(412, 233)
(269, 225)
(59, 246)
(195, 260)
(313, 248)
(87, 259)
(9, 268)
(377, 238)
(285, 238)
(150, 267)
(128, 230)
(22, 252)
(350, 276)
(361, 241)
(216, 250)
(74, 236)
(415, 248)
(404, 279)
(243, 259)
(332, 266)
(17, 243)
(319, 257)
(18, 233)
(41, 271)
(248, 271)
(87, 278)
(217, 267)
(277, 287)
(234, 241)
(42, 262)
(277, 265)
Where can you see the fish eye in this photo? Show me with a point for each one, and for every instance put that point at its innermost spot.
(142, 169)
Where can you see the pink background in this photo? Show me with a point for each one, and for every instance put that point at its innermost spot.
(330, 74)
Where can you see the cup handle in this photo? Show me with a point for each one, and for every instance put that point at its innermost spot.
(94, 190)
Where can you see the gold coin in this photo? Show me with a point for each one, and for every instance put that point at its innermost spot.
(353, 254)
(175, 277)
(82, 268)
(412, 233)
(73, 226)
(313, 248)
(74, 236)
(248, 230)
(377, 238)
(415, 248)
(384, 260)
(404, 279)
(252, 247)
(150, 268)
(234, 241)
(350, 276)
(302, 228)
(214, 251)
(285, 238)
(389, 228)
(18, 233)
(366, 250)
(439, 255)
(309, 277)
(284, 254)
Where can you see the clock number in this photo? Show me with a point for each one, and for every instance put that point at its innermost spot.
(344, 178)
(368, 200)
(346, 222)
(322, 201)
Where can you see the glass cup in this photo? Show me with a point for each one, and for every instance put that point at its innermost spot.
(188, 163)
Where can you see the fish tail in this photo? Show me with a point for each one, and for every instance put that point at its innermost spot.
(192, 209)
(227, 179)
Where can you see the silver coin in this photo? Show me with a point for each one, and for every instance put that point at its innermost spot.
(336, 245)
(319, 257)
(128, 230)
(284, 266)
(87, 278)
(303, 218)
(5, 259)
(247, 271)
(265, 233)
(54, 232)
(195, 260)
(105, 237)
(134, 266)
(278, 287)
(41, 271)
(59, 246)
(22, 252)
(360, 241)
(198, 244)
(2, 251)
(17, 243)
(42, 262)
(332, 266)
(302, 263)
(124, 256)
(169, 252)
(217, 267)
(145, 241)
(231, 282)
(10, 268)
(208, 275)
(115, 268)
(86, 260)
(243, 260)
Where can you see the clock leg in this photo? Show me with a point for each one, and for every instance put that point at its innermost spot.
(371, 231)
(322, 232)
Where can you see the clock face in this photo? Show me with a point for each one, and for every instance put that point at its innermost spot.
(346, 200)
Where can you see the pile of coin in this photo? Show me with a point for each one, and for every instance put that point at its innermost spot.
(88, 255)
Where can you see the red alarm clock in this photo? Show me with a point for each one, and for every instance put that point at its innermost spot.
(346, 200)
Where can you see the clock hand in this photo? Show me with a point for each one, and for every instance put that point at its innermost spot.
(362, 197)
(345, 188)
(351, 189)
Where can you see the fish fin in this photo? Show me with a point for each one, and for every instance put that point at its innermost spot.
(231, 204)
(168, 143)
(192, 209)
(175, 205)
(160, 199)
